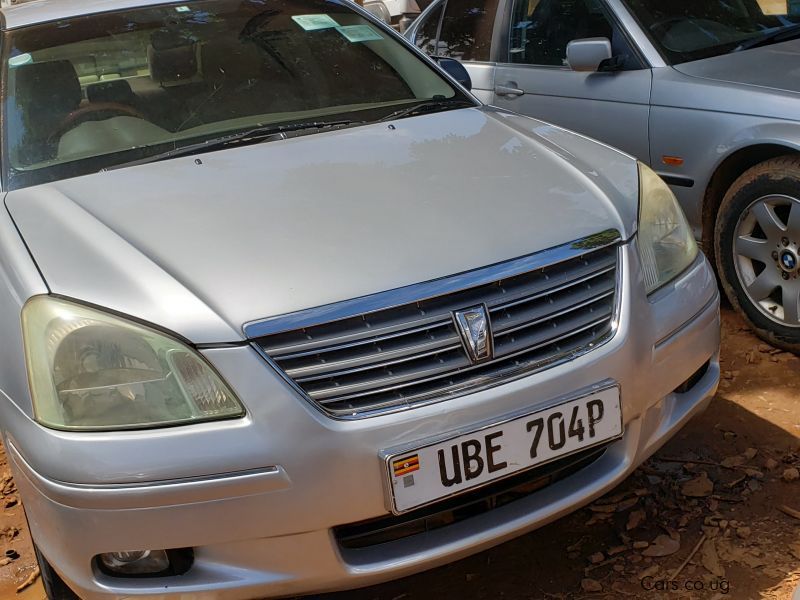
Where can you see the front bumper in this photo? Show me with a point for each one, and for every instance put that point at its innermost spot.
(258, 498)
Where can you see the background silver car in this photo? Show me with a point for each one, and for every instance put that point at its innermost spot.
(705, 91)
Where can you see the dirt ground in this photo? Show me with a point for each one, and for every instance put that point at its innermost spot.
(715, 514)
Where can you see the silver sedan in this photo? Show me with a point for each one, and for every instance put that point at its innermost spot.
(285, 309)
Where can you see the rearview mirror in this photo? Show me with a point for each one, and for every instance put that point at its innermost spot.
(378, 10)
(588, 53)
(456, 70)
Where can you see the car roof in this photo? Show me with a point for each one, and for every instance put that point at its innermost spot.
(42, 11)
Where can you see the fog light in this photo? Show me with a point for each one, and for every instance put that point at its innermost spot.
(136, 562)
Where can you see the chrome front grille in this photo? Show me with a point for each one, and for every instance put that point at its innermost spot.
(355, 360)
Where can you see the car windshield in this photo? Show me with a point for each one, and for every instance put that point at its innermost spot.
(686, 30)
(97, 91)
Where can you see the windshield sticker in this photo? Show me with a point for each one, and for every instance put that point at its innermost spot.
(314, 22)
(360, 33)
(183, 9)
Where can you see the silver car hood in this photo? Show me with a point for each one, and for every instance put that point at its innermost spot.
(202, 245)
(776, 67)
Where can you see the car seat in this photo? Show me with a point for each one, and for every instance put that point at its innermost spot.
(44, 95)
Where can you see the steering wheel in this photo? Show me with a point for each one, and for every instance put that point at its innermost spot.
(76, 117)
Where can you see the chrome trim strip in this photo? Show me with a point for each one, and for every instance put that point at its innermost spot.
(362, 342)
(382, 359)
(572, 283)
(399, 328)
(162, 483)
(150, 494)
(552, 315)
(429, 289)
(373, 365)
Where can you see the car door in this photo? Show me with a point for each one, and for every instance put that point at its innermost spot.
(533, 77)
(463, 30)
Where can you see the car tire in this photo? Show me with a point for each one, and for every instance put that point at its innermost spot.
(757, 248)
(54, 586)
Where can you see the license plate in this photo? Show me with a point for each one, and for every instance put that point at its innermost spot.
(432, 472)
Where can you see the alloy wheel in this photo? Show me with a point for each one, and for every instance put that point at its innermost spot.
(766, 249)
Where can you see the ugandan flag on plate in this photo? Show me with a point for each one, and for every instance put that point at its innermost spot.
(405, 465)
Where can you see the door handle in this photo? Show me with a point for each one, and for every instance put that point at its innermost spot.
(509, 89)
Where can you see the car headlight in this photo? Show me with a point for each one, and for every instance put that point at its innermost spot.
(666, 243)
(92, 370)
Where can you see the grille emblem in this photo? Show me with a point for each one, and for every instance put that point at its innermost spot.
(476, 334)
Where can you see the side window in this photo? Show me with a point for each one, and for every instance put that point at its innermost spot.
(466, 31)
(428, 31)
(541, 29)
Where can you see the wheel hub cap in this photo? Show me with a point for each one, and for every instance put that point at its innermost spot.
(767, 257)
(788, 261)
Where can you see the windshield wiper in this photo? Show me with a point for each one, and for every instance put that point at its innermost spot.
(427, 105)
(781, 35)
(256, 134)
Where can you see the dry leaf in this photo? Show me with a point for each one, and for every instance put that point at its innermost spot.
(649, 572)
(627, 504)
(710, 559)
(791, 474)
(750, 453)
(30, 580)
(598, 518)
(620, 588)
(712, 531)
(732, 461)
(635, 518)
(663, 545)
(732, 484)
(730, 553)
(699, 487)
(613, 499)
(576, 545)
(603, 508)
(591, 585)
